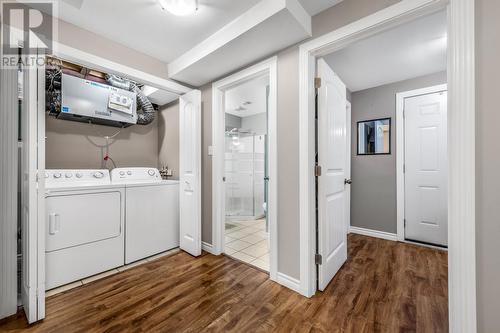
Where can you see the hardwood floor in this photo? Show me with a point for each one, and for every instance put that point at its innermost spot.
(383, 287)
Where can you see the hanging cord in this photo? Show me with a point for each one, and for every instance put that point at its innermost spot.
(104, 148)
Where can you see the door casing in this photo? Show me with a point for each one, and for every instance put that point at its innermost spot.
(461, 127)
(266, 67)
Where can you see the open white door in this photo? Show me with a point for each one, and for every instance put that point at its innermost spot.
(332, 159)
(190, 171)
(33, 193)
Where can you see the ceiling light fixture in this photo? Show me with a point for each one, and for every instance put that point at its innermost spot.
(179, 7)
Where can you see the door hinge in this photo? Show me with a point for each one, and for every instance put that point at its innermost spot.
(317, 170)
(404, 113)
(404, 221)
(404, 167)
(317, 82)
(318, 259)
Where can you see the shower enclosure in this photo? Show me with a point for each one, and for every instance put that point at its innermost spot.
(245, 171)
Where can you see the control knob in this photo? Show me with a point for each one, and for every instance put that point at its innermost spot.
(98, 175)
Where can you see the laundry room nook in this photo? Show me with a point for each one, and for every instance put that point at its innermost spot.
(107, 138)
(102, 156)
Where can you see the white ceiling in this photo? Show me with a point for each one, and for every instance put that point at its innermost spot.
(253, 91)
(411, 50)
(143, 26)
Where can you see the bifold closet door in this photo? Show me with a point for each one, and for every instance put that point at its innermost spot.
(190, 172)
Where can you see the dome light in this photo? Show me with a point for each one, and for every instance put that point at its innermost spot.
(179, 7)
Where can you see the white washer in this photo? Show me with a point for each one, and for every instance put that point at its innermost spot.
(84, 225)
(151, 213)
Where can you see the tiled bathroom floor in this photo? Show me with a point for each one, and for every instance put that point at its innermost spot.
(248, 241)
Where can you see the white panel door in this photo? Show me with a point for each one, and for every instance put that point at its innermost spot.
(190, 170)
(332, 157)
(426, 179)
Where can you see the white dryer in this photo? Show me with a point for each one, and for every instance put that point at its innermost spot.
(151, 213)
(84, 225)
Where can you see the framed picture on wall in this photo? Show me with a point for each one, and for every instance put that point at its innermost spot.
(374, 137)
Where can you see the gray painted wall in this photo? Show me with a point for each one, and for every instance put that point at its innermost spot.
(373, 191)
(487, 165)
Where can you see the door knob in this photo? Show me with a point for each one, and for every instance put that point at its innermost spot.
(348, 181)
(266, 179)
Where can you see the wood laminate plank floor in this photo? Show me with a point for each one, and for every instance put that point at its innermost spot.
(383, 287)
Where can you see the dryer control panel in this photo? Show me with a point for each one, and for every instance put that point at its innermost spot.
(135, 175)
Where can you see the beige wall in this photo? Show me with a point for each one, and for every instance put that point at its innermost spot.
(67, 142)
(70, 145)
(168, 138)
(288, 163)
(78, 38)
(206, 163)
(488, 165)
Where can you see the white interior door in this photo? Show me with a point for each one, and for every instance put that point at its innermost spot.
(190, 170)
(332, 158)
(426, 178)
(33, 193)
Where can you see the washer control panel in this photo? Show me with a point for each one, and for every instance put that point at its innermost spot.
(135, 175)
(68, 178)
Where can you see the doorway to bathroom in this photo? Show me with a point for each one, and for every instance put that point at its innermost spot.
(244, 166)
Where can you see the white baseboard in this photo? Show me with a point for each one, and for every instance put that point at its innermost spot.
(289, 282)
(207, 247)
(373, 233)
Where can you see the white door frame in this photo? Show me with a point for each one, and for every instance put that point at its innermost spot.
(269, 67)
(348, 162)
(461, 128)
(400, 151)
